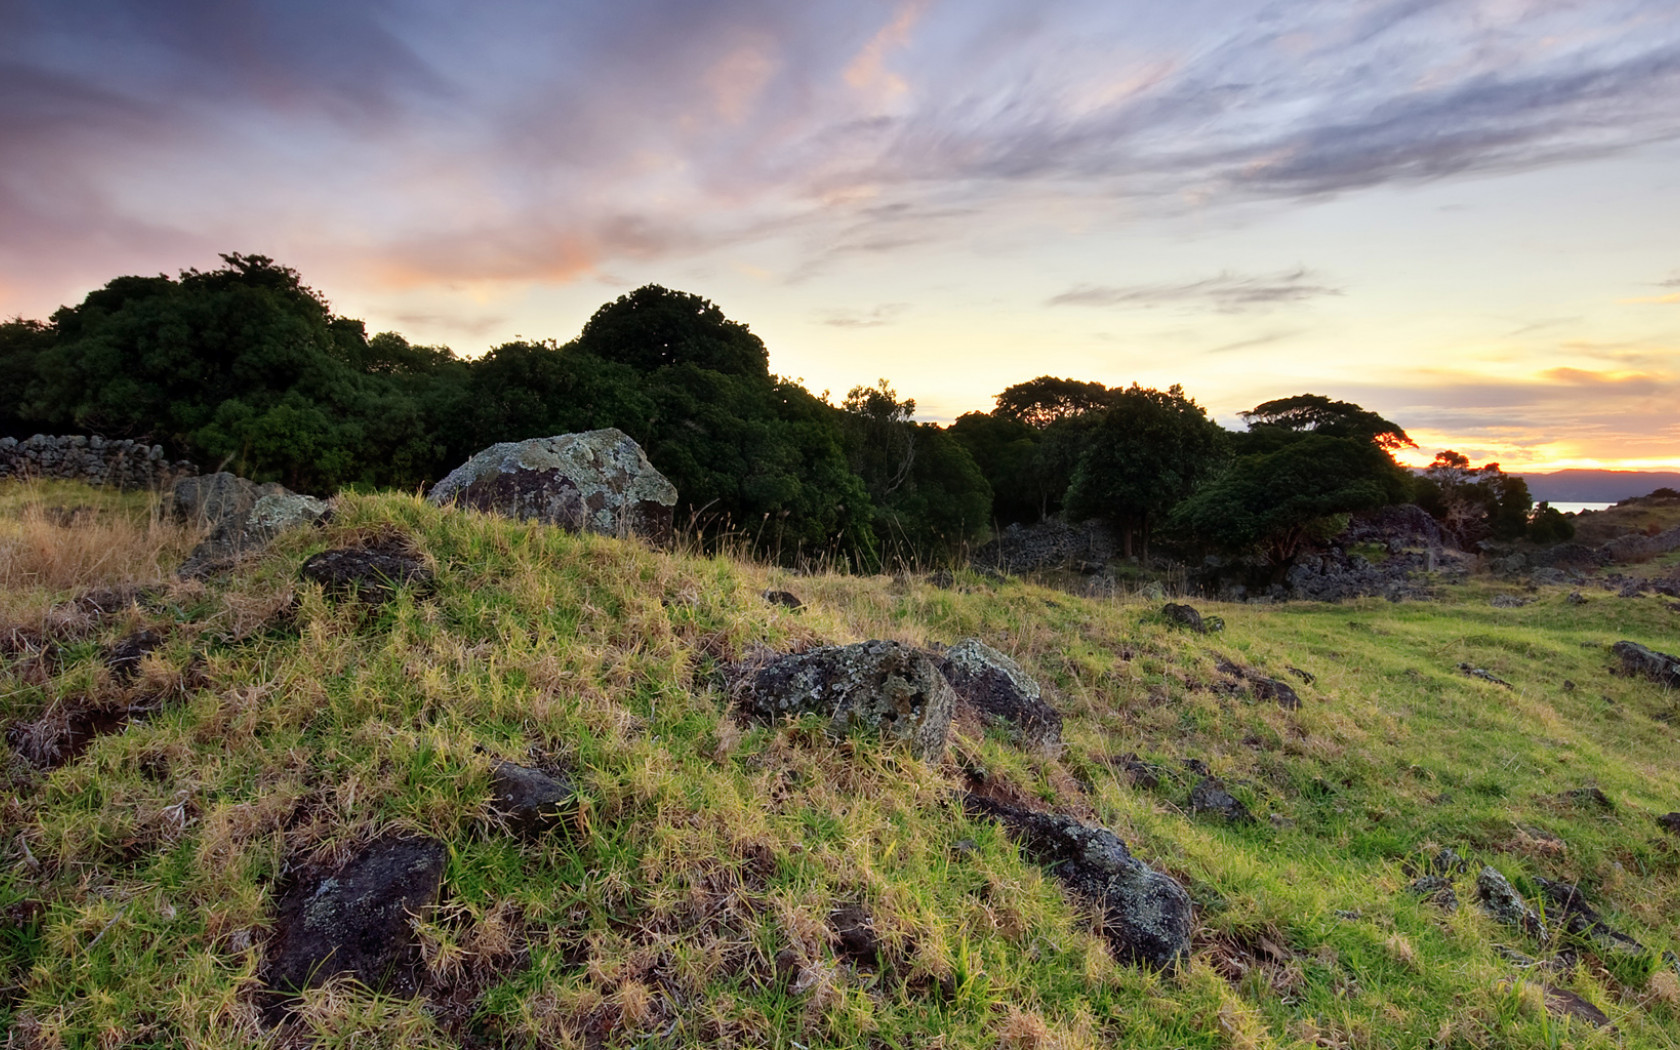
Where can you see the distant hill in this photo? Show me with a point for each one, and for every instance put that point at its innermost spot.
(1597, 486)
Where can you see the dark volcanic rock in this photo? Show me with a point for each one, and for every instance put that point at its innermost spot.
(1648, 663)
(786, 599)
(1138, 773)
(1001, 693)
(1670, 822)
(1209, 796)
(356, 920)
(1484, 674)
(1436, 889)
(1050, 544)
(1272, 689)
(1567, 907)
(1147, 915)
(879, 686)
(854, 935)
(1561, 1002)
(529, 800)
(124, 658)
(371, 575)
(1184, 616)
(1501, 900)
(595, 481)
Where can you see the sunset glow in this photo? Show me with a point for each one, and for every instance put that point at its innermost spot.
(1462, 215)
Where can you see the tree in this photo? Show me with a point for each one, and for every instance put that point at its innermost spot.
(1474, 503)
(1276, 422)
(1046, 400)
(1005, 451)
(1148, 454)
(654, 327)
(1275, 502)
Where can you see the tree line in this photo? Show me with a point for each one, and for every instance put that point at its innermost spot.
(247, 368)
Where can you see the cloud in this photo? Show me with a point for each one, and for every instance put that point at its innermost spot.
(1259, 340)
(1227, 292)
(885, 314)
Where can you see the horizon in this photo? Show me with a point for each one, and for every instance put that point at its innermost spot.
(1459, 216)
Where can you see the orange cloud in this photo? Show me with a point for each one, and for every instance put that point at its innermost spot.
(867, 70)
(738, 79)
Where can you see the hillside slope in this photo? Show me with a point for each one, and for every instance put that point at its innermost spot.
(694, 893)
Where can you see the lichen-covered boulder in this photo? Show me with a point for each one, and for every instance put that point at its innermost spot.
(357, 919)
(1506, 906)
(242, 517)
(1001, 693)
(1147, 915)
(596, 481)
(878, 686)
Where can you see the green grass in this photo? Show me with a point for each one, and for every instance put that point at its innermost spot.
(704, 848)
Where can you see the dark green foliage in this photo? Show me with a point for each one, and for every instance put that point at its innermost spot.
(1550, 526)
(1047, 399)
(1475, 502)
(1275, 423)
(653, 327)
(1273, 503)
(1148, 454)
(21, 345)
(1005, 450)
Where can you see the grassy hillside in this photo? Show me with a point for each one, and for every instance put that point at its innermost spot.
(687, 900)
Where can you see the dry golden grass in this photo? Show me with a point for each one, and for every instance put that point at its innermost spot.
(57, 537)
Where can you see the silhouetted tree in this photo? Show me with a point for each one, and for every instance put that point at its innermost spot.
(1046, 400)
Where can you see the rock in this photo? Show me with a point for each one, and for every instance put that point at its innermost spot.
(877, 686)
(371, 575)
(1508, 601)
(1484, 675)
(1589, 798)
(1184, 616)
(1501, 901)
(1273, 689)
(1147, 915)
(1138, 773)
(1548, 576)
(1567, 906)
(1306, 676)
(1670, 822)
(242, 516)
(1050, 544)
(786, 599)
(1638, 660)
(1561, 1002)
(1209, 796)
(1395, 527)
(528, 800)
(1437, 890)
(1576, 598)
(124, 658)
(855, 939)
(1638, 548)
(1001, 693)
(356, 920)
(596, 481)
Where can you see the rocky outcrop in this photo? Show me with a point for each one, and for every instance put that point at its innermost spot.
(1648, 663)
(1395, 528)
(371, 575)
(1050, 544)
(357, 919)
(1001, 693)
(242, 517)
(92, 460)
(875, 686)
(1626, 550)
(596, 481)
(1506, 906)
(1334, 575)
(1147, 915)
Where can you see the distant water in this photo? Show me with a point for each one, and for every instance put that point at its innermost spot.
(1577, 508)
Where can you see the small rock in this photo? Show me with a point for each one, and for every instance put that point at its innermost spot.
(854, 935)
(881, 686)
(369, 575)
(786, 599)
(1001, 693)
(1561, 1002)
(1670, 822)
(1501, 900)
(1349, 915)
(1209, 796)
(1486, 676)
(1138, 773)
(1508, 601)
(1306, 676)
(1437, 890)
(1184, 616)
(1275, 690)
(529, 800)
(1576, 598)
(1147, 915)
(124, 657)
(1638, 660)
(356, 920)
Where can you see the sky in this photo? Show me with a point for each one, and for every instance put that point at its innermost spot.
(1464, 214)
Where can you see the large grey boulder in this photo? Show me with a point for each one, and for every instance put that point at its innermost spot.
(1001, 693)
(241, 517)
(876, 686)
(1147, 915)
(596, 481)
(1638, 660)
(357, 919)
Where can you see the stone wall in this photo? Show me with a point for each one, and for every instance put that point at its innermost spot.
(94, 460)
